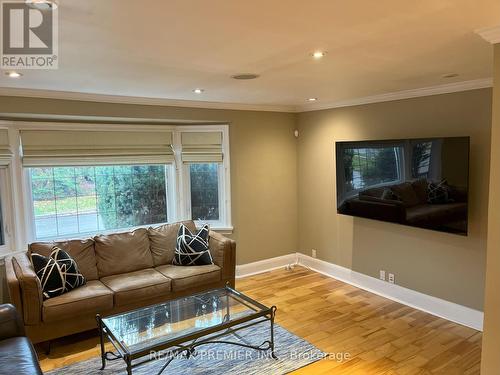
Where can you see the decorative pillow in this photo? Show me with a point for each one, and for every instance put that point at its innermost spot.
(192, 249)
(388, 195)
(58, 273)
(438, 193)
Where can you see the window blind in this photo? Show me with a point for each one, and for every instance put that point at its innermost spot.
(5, 151)
(201, 147)
(72, 148)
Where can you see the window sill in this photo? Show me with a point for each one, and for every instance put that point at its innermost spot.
(223, 230)
(5, 254)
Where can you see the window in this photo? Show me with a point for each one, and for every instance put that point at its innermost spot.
(371, 166)
(204, 186)
(421, 159)
(205, 178)
(80, 179)
(68, 201)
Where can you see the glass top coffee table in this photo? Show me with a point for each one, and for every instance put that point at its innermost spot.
(181, 325)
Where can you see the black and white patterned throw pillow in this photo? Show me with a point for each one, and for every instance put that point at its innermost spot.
(438, 193)
(58, 273)
(192, 249)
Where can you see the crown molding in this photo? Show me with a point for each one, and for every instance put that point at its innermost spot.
(405, 94)
(140, 100)
(490, 34)
(119, 99)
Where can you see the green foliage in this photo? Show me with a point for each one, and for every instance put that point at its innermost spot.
(204, 191)
(131, 195)
(369, 166)
(381, 167)
(348, 157)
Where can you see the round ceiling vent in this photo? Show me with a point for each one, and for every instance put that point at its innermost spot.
(42, 4)
(245, 76)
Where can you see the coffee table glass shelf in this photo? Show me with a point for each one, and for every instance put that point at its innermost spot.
(181, 325)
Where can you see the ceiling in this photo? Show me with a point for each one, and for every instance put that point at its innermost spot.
(163, 49)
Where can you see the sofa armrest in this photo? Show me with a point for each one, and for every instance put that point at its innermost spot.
(458, 194)
(223, 251)
(11, 324)
(13, 286)
(29, 287)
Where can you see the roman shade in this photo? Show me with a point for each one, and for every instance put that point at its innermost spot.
(5, 151)
(44, 148)
(201, 147)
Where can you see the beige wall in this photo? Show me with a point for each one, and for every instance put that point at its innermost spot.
(490, 363)
(263, 165)
(279, 185)
(439, 264)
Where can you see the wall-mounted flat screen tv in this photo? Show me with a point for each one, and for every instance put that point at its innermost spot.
(417, 182)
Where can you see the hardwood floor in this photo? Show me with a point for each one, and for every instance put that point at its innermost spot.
(377, 335)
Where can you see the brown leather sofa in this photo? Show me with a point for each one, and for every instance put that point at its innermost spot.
(17, 355)
(411, 207)
(123, 271)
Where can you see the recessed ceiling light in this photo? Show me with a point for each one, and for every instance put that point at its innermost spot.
(318, 54)
(245, 76)
(312, 99)
(198, 91)
(13, 74)
(450, 75)
(42, 4)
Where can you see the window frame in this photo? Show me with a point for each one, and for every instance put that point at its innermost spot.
(224, 224)
(6, 209)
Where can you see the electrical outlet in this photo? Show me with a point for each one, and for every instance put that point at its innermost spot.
(391, 278)
(382, 275)
(313, 253)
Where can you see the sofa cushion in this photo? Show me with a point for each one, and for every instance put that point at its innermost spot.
(135, 286)
(82, 251)
(89, 299)
(405, 194)
(122, 252)
(162, 241)
(190, 277)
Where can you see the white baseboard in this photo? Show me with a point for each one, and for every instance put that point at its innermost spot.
(265, 265)
(436, 306)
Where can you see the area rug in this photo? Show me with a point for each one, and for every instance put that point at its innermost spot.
(292, 352)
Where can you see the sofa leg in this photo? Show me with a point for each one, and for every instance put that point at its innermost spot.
(46, 347)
